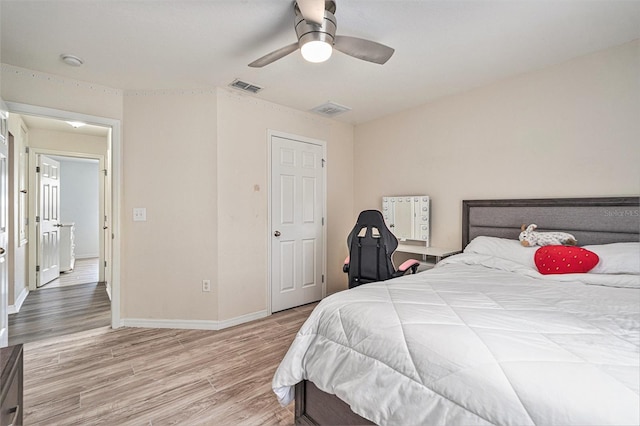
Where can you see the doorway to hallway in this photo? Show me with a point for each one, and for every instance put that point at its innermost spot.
(108, 223)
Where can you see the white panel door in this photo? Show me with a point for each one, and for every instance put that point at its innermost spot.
(297, 238)
(48, 220)
(4, 231)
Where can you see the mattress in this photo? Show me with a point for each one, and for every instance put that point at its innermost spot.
(478, 340)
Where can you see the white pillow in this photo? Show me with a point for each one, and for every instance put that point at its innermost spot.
(503, 248)
(616, 258)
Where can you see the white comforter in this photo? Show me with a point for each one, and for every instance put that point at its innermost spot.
(478, 340)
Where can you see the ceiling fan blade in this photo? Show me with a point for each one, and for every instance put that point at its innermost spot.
(274, 56)
(366, 50)
(312, 11)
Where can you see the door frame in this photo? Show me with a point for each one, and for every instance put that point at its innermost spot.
(303, 139)
(103, 208)
(4, 206)
(114, 173)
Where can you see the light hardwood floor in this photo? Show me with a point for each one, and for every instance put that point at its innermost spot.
(138, 376)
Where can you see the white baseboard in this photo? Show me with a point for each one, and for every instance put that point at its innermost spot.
(241, 319)
(192, 324)
(15, 308)
(86, 256)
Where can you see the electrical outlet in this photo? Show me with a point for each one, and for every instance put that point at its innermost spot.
(206, 285)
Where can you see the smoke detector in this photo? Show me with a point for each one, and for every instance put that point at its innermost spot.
(71, 60)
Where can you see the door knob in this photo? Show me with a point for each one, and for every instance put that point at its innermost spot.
(277, 233)
(1, 251)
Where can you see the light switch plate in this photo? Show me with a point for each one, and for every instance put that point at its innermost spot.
(139, 214)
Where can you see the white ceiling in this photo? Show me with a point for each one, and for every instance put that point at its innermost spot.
(442, 46)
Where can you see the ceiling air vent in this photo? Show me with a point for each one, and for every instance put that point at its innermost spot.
(331, 109)
(244, 86)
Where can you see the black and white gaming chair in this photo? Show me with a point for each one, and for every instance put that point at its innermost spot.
(371, 245)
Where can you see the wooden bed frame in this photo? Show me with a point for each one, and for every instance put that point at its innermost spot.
(590, 220)
(315, 407)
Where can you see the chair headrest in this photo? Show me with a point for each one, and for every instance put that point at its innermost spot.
(373, 219)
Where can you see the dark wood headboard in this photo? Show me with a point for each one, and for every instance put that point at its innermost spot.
(590, 220)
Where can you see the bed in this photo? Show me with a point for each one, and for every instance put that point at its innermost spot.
(484, 338)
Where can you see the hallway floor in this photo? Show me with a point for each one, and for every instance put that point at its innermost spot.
(60, 311)
(84, 271)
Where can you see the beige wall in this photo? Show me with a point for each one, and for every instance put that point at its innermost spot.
(570, 130)
(198, 162)
(340, 176)
(67, 142)
(170, 169)
(243, 124)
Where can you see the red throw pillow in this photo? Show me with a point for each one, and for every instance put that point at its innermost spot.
(565, 260)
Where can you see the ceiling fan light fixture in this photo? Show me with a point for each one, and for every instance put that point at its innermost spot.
(316, 41)
(316, 51)
(317, 37)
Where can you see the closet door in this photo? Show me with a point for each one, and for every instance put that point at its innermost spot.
(297, 237)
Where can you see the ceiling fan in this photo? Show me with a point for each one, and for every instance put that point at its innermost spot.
(315, 26)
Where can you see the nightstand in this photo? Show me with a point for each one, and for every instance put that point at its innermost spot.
(11, 407)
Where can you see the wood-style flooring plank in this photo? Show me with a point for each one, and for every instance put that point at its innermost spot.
(84, 271)
(59, 311)
(138, 376)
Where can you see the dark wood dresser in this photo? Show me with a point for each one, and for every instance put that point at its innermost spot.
(11, 407)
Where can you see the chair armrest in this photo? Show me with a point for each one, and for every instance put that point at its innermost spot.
(409, 264)
(345, 266)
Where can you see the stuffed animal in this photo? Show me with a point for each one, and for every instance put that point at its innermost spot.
(529, 237)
